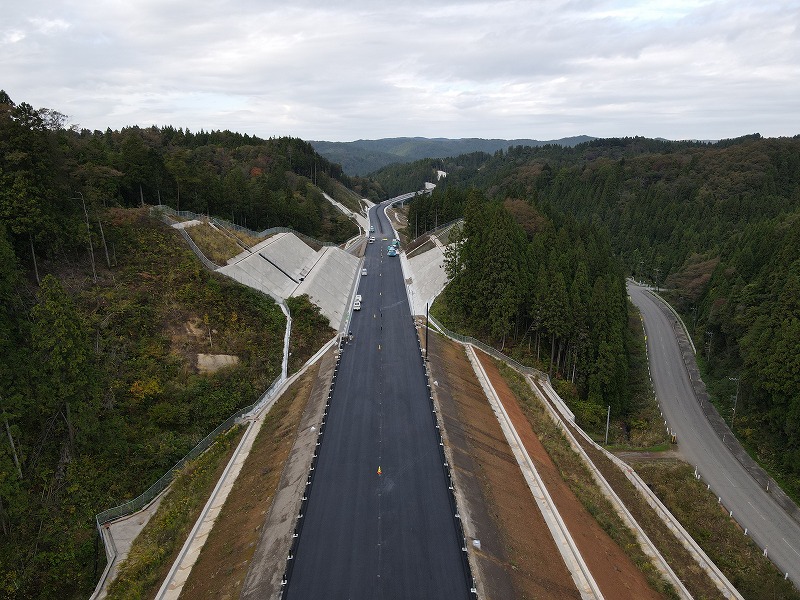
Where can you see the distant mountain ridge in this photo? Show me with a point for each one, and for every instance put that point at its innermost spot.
(365, 156)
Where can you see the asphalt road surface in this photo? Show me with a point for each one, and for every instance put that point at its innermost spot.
(752, 507)
(378, 536)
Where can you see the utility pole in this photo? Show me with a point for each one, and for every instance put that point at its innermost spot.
(89, 234)
(735, 399)
(710, 335)
(426, 331)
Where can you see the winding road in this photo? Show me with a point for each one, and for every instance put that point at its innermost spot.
(752, 507)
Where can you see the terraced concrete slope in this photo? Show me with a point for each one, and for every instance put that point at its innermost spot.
(284, 266)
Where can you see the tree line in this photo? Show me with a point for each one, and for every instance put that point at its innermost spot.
(715, 225)
(548, 295)
(52, 175)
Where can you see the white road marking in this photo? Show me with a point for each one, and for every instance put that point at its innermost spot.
(790, 546)
(758, 512)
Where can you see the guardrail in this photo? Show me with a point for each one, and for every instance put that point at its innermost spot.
(722, 583)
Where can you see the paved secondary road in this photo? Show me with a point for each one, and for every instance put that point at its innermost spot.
(752, 507)
(370, 536)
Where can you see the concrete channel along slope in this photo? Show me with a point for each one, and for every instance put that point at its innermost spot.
(380, 521)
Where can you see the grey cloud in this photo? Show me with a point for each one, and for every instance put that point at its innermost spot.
(455, 68)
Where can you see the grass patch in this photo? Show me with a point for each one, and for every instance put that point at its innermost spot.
(227, 554)
(421, 248)
(579, 479)
(216, 245)
(643, 428)
(737, 556)
(310, 330)
(246, 239)
(157, 546)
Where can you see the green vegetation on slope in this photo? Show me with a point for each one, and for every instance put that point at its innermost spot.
(717, 224)
(362, 157)
(158, 544)
(47, 171)
(105, 315)
(103, 393)
(550, 297)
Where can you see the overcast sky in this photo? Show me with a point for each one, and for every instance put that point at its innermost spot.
(354, 69)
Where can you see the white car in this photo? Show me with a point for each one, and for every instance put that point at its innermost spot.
(364, 271)
(372, 239)
(358, 297)
(357, 305)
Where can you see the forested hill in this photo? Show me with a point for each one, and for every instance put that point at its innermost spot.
(251, 181)
(362, 157)
(718, 224)
(105, 313)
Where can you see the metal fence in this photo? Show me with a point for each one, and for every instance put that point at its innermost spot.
(159, 486)
(465, 339)
(187, 214)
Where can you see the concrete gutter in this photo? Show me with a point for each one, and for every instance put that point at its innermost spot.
(179, 573)
(584, 581)
(644, 541)
(552, 399)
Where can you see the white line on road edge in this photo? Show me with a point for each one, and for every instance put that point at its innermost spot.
(585, 583)
(717, 577)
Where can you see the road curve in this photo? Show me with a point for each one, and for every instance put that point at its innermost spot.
(753, 508)
(379, 523)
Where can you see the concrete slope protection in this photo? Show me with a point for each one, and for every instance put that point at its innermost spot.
(379, 523)
(751, 506)
(284, 266)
